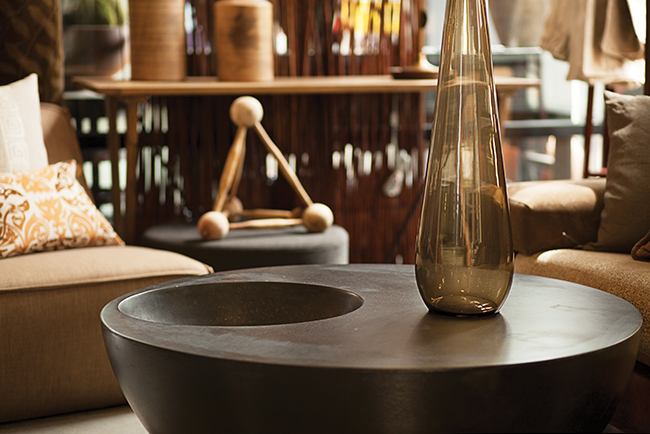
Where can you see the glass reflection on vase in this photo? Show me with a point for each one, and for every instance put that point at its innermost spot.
(464, 257)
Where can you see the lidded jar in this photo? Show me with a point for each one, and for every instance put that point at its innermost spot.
(244, 40)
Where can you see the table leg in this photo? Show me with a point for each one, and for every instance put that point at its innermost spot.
(131, 192)
(510, 151)
(113, 140)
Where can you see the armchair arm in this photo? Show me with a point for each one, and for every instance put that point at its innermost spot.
(60, 139)
(555, 214)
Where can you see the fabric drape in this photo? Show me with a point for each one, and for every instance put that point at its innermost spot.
(603, 40)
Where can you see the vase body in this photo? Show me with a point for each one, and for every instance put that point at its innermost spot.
(464, 258)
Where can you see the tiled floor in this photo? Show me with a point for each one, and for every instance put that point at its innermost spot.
(114, 420)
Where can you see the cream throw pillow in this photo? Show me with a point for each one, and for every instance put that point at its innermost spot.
(21, 134)
(47, 209)
(625, 218)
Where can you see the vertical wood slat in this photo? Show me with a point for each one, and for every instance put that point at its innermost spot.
(292, 35)
(169, 208)
(131, 179)
(207, 146)
(146, 201)
(328, 39)
(113, 141)
(184, 151)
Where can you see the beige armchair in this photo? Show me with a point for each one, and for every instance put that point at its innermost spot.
(551, 221)
(52, 356)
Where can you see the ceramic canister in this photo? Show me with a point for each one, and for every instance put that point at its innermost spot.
(244, 40)
(158, 47)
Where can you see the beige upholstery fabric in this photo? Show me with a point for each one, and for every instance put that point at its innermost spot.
(52, 356)
(554, 214)
(641, 251)
(93, 265)
(616, 273)
(626, 215)
(60, 138)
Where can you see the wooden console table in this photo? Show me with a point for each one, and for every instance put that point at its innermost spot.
(131, 93)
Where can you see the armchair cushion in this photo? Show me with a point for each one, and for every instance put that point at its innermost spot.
(625, 217)
(52, 355)
(61, 139)
(47, 209)
(554, 214)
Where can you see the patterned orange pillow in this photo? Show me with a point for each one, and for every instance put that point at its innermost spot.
(47, 209)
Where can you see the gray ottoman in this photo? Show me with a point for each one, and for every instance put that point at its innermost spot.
(250, 248)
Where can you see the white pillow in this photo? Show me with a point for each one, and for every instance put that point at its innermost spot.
(21, 134)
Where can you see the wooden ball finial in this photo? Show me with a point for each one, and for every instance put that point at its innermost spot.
(213, 225)
(246, 111)
(233, 208)
(317, 217)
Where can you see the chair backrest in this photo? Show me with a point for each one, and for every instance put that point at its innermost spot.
(61, 138)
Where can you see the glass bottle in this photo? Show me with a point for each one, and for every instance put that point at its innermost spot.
(464, 257)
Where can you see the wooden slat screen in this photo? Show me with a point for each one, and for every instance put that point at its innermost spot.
(340, 143)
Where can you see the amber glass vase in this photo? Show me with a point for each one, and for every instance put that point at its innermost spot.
(464, 258)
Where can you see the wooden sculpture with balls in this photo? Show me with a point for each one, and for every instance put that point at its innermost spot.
(247, 112)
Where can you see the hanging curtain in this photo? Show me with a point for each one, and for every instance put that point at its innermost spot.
(600, 39)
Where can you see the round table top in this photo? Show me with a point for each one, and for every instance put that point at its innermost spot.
(542, 319)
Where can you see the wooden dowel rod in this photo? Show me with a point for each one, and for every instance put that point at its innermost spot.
(240, 169)
(266, 223)
(288, 173)
(267, 213)
(230, 168)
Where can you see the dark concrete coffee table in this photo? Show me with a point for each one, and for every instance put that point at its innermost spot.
(353, 349)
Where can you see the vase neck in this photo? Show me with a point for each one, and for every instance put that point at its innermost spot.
(466, 41)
